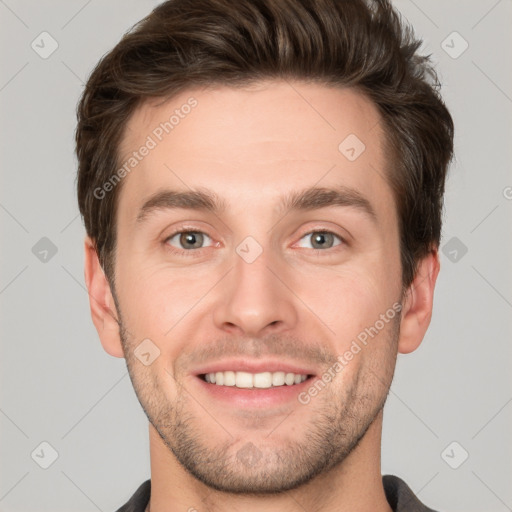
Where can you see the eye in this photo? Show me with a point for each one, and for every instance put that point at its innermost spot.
(187, 240)
(322, 240)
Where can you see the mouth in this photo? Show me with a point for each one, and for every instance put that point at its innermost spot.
(254, 384)
(261, 380)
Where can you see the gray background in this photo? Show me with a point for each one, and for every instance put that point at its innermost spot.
(60, 387)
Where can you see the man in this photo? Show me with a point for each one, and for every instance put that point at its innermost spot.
(261, 183)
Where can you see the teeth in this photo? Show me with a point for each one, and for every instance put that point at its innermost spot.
(254, 380)
(243, 380)
(278, 379)
(229, 378)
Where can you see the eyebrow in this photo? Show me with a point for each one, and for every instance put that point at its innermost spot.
(313, 198)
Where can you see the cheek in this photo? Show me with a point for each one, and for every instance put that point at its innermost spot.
(348, 299)
(155, 301)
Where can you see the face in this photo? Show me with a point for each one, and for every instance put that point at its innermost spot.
(271, 292)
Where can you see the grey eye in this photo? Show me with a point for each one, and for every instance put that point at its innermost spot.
(188, 240)
(321, 239)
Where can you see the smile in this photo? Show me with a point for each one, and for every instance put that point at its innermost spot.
(262, 380)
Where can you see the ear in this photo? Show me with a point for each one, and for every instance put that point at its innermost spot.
(418, 303)
(103, 310)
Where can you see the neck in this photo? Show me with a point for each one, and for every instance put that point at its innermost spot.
(354, 485)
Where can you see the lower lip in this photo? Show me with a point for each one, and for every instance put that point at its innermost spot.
(254, 397)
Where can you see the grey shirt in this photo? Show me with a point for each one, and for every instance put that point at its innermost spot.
(399, 495)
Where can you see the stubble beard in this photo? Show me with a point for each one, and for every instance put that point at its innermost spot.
(263, 463)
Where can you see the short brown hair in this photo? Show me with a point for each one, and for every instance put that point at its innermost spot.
(359, 44)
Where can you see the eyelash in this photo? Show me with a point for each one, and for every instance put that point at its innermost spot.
(195, 252)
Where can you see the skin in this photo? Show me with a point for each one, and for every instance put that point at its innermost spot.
(250, 146)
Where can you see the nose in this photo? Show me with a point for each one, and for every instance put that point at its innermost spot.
(256, 299)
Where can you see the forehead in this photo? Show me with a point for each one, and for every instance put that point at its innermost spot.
(254, 143)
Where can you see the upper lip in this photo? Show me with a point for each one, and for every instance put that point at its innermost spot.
(254, 366)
